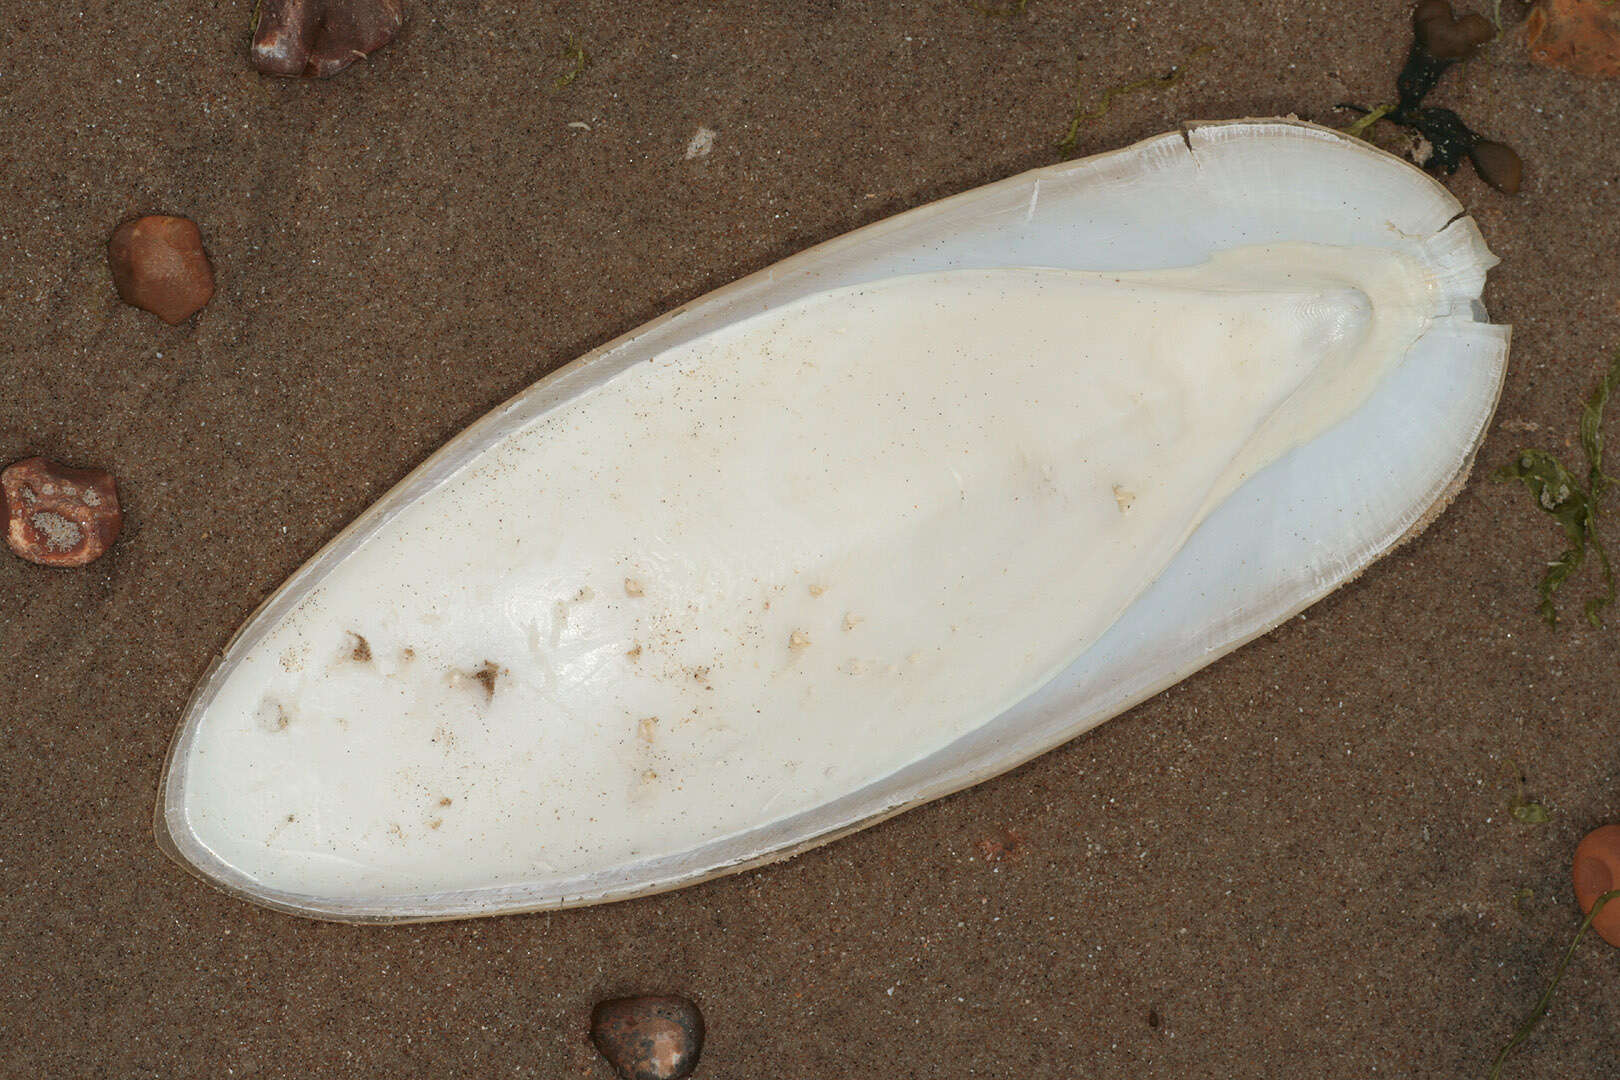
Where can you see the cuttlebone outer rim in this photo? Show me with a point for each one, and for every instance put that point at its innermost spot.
(1270, 180)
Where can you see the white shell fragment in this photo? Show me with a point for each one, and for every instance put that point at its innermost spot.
(857, 531)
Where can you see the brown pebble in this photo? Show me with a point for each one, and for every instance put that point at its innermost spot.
(1004, 848)
(57, 516)
(1498, 165)
(658, 1037)
(1597, 871)
(158, 265)
(1579, 36)
(1446, 37)
(317, 39)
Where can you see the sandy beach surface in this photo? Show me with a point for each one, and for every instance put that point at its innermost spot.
(1299, 862)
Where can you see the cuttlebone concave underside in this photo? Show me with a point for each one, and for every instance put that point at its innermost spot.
(862, 529)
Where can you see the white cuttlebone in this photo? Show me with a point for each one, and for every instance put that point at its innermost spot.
(1286, 536)
(854, 527)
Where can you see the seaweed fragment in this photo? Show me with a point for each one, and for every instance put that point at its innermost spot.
(1528, 811)
(1522, 808)
(574, 55)
(1368, 119)
(1522, 1032)
(1558, 492)
(1083, 116)
(1592, 429)
(1440, 41)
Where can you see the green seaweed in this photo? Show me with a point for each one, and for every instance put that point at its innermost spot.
(575, 56)
(1083, 116)
(1597, 481)
(1529, 812)
(1368, 119)
(1559, 493)
(1525, 811)
(1522, 1032)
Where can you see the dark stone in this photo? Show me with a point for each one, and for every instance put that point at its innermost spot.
(1447, 37)
(658, 1037)
(1498, 165)
(316, 39)
(1439, 40)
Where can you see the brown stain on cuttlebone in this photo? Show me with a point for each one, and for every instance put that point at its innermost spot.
(486, 677)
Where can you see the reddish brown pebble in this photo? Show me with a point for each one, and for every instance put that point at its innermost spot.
(158, 265)
(649, 1038)
(57, 516)
(1498, 165)
(317, 39)
(1446, 37)
(1579, 36)
(1008, 846)
(1597, 871)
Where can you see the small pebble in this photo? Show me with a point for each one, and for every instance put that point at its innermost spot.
(316, 39)
(57, 516)
(158, 265)
(1597, 871)
(658, 1037)
(1007, 847)
(1579, 36)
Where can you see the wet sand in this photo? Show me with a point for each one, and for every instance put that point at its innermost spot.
(1296, 863)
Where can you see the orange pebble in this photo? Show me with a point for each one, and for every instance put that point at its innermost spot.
(1582, 36)
(1597, 871)
(158, 265)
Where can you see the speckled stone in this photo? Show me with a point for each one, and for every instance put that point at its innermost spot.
(319, 38)
(58, 516)
(649, 1038)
